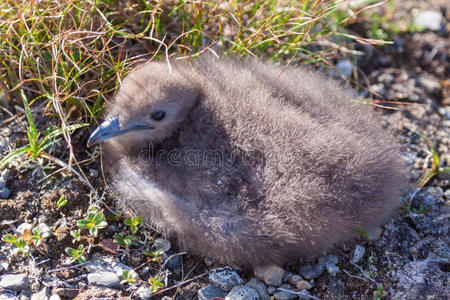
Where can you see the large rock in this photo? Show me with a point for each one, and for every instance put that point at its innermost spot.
(271, 275)
(311, 272)
(108, 279)
(425, 279)
(110, 264)
(259, 287)
(242, 292)
(226, 278)
(14, 282)
(211, 292)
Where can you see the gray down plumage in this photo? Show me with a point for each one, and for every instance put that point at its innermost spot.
(249, 163)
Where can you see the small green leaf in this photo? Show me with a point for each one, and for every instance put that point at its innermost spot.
(70, 251)
(102, 225)
(61, 201)
(83, 223)
(91, 216)
(20, 243)
(93, 231)
(13, 154)
(9, 238)
(99, 218)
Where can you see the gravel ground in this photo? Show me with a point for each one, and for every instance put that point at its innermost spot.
(406, 259)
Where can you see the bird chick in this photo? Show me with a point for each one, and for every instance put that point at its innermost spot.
(248, 163)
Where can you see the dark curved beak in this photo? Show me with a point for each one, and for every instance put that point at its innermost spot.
(111, 128)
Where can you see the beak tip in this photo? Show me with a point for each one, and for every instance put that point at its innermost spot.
(93, 139)
(104, 131)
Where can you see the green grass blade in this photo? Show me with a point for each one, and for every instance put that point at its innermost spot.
(58, 132)
(13, 154)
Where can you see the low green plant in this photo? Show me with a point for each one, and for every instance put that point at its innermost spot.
(363, 233)
(124, 241)
(128, 277)
(94, 221)
(379, 293)
(133, 223)
(61, 201)
(30, 239)
(155, 283)
(76, 235)
(77, 255)
(428, 173)
(37, 144)
(421, 210)
(156, 256)
(21, 245)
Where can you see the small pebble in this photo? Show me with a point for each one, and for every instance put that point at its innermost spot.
(7, 296)
(25, 295)
(14, 282)
(259, 287)
(108, 279)
(22, 227)
(332, 269)
(4, 177)
(4, 266)
(208, 262)
(35, 286)
(286, 276)
(271, 275)
(309, 272)
(329, 259)
(430, 85)
(162, 244)
(294, 279)
(429, 19)
(4, 193)
(445, 112)
(144, 292)
(175, 261)
(271, 290)
(93, 173)
(211, 292)
(303, 285)
(4, 141)
(54, 297)
(385, 78)
(378, 88)
(82, 285)
(242, 292)
(345, 66)
(358, 253)
(42, 294)
(66, 292)
(226, 278)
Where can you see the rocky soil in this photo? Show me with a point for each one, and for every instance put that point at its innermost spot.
(406, 259)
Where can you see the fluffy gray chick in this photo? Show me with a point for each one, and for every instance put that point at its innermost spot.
(248, 163)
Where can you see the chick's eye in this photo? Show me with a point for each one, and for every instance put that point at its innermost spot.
(158, 115)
